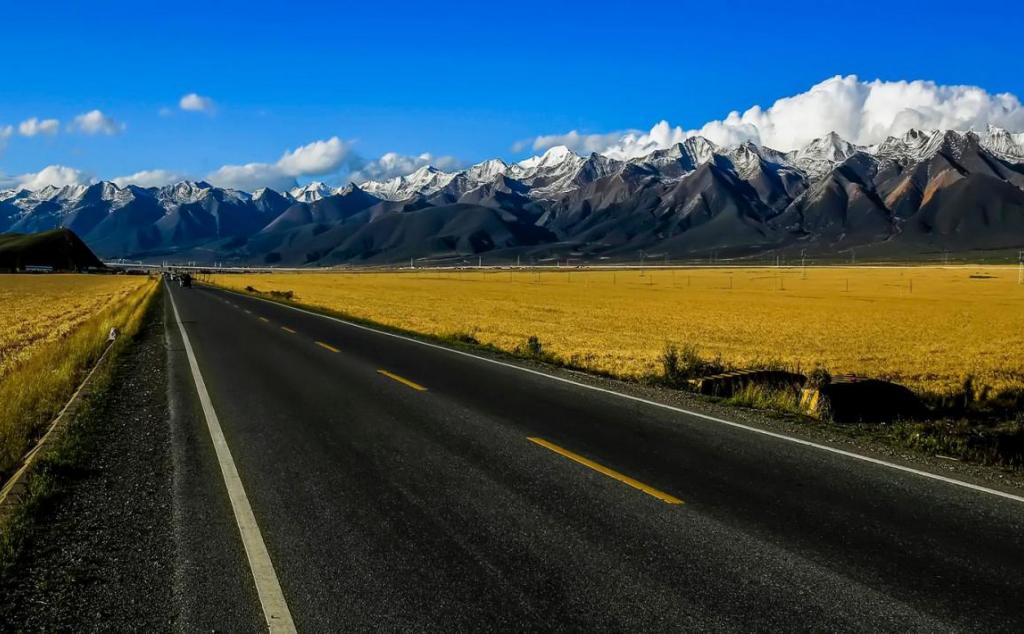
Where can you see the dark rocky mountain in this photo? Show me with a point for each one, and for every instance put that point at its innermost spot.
(919, 194)
(58, 249)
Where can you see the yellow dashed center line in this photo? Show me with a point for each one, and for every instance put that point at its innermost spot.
(248, 311)
(287, 329)
(403, 381)
(327, 346)
(264, 319)
(611, 473)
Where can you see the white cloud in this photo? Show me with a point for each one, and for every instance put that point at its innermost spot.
(314, 159)
(56, 175)
(34, 126)
(194, 102)
(582, 143)
(332, 156)
(149, 178)
(868, 112)
(620, 145)
(251, 176)
(394, 164)
(95, 122)
(6, 131)
(862, 112)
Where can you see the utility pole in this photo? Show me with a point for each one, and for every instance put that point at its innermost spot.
(1020, 267)
(803, 263)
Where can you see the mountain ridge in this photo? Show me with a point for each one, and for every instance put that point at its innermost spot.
(922, 191)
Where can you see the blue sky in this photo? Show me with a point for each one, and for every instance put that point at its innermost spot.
(465, 81)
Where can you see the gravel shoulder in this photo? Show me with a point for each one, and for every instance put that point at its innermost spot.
(99, 554)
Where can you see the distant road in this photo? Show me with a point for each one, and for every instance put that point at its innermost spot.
(393, 485)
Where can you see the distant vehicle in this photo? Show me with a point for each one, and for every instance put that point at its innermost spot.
(185, 280)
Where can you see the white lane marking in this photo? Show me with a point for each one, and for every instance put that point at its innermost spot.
(638, 399)
(275, 609)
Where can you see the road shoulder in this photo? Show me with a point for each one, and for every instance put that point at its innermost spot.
(99, 548)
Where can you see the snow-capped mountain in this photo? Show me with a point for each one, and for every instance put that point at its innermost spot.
(915, 193)
(549, 172)
(681, 158)
(425, 180)
(1004, 144)
(553, 158)
(487, 170)
(185, 192)
(820, 155)
(311, 193)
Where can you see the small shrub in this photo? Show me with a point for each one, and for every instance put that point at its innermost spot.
(582, 361)
(468, 338)
(681, 364)
(533, 349)
(670, 363)
(968, 391)
(282, 294)
(778, 399)
(818, 378)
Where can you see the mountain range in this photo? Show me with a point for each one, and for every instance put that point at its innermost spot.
(916, 195)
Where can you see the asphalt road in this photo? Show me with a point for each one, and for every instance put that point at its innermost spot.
(399, 486)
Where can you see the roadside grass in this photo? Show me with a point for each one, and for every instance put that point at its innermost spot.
(53, 470)
(972, 423)
(35, 389)
(775, 399)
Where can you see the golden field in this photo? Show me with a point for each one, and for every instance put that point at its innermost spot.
(53, 328)
(926, 327)
(36, 309)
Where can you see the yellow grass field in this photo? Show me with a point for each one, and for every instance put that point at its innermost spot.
(928, 328)
(35, 309)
